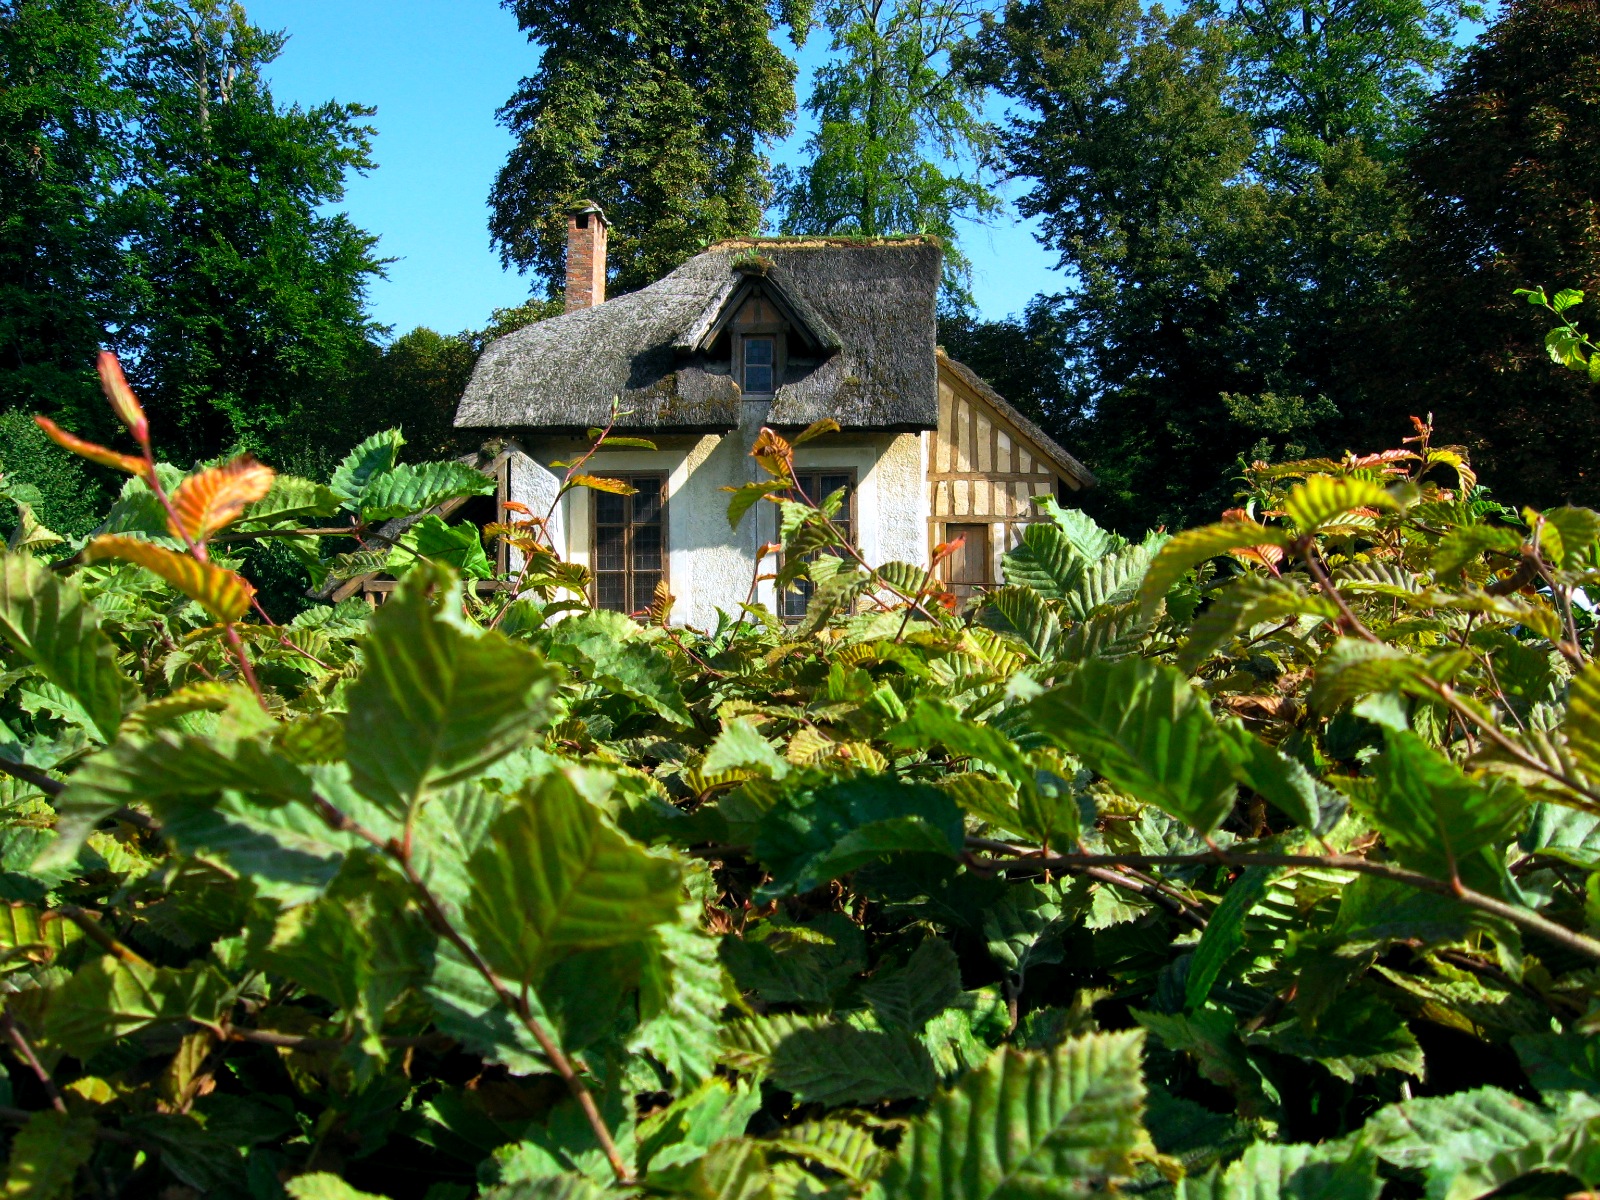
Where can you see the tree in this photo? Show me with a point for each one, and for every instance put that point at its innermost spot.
(1220, 186)
(659, 113)
(61, 159)
(249, 312)
(901, 141)
(1506, 185)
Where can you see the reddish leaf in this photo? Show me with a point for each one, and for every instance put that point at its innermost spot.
(89, 450)
(208, 500)
(222, 593)
(123, 402)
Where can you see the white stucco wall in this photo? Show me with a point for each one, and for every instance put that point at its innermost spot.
(709, 565)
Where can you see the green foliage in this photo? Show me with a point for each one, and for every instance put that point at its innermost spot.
(1222, 185)
(492, 890)
(900, 137)
(659, 114)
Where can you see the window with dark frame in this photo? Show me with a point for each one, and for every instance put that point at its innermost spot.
(967, 569)
(818, 486)
(759, 363)
(630, 544)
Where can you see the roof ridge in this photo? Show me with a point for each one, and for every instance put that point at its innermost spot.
(808, 241)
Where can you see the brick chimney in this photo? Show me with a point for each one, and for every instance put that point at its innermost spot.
(586, 256)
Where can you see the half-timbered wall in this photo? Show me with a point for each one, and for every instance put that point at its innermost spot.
(982, 470)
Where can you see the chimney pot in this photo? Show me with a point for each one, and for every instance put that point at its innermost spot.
(586, 256)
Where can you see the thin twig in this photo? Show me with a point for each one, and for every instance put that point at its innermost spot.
(338, 820)
(32, 776)
(1523, 918)
(15, 1036)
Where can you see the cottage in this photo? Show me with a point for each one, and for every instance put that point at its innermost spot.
(750, 333)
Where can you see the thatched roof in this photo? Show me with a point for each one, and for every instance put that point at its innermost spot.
(862, 352)
(1046, 445)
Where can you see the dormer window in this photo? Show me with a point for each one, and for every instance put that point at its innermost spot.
(759, 360)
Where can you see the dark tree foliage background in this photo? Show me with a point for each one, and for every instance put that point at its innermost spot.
(658, 112)
(1504, 183)
(62, 155)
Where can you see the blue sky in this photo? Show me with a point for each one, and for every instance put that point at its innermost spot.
(436, 70)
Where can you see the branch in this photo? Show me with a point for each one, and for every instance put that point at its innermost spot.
(14, 1035)
(1524, 918)
(32, 776)
(437, 917)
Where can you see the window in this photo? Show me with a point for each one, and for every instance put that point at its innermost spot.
(758, 364)
(967, 568)
(630, 544)
(818, 486)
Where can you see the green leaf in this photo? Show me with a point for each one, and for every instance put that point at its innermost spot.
(109, 998)
(1352, 668)
(1142, 726)
(438, 701)
(556, 878)
(1111, 580)
(458, 546)
(402, 490)
(1241, 606)
(171, 773)
(46, 1154)
(291, 498)
(1272, 774)
(1560, 1062)
(376, 454)
(1058, 1124)
(1322, 499)
(1357, 1035)
(810, 838)
(1023, 613)
(1566, 298)
(323, 1185)
(909, 996)
(1224, 935)
(1375, 912)
(740, 745)
(796, 963)
(1434, 818)
(1470, 1143)
(1272, 1171)
(840, 1064)
(687, 1128)
(1086, 537)
(1211, 1036)
(744, 498)
(1046, 561)
(46, 620)
(1568, 535)
(1195, 546)
(608, 649)
(1025, 928)
(680, 1001)
(930, 721)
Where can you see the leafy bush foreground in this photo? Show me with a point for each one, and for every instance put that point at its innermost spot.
(1262, 860)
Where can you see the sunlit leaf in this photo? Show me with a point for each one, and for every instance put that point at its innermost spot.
(224, 594)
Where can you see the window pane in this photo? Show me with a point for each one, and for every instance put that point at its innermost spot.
(758, 361)
(647, 501)
(611, 591)
(647, 548)
(644, 590)
(610, 509)
(608, 548)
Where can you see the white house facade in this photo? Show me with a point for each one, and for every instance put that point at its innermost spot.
(753, 333)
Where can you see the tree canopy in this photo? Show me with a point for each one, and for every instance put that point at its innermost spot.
(661, 113)
(901, 143)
